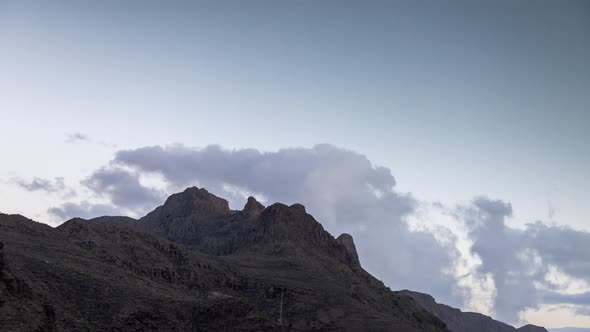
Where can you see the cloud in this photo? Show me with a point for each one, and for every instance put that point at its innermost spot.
(123, 188)
(558, 298)
(323, 176)
(341, 188)
(40, 184)
(84, 210)
(562, 246)
(583, 310)
(77, 137)
(520, 261)
(503, 256)
(109, 190)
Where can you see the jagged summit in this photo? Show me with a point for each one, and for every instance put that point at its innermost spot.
(193, 264)
(253, 208)
(196, 201)
(204, 221)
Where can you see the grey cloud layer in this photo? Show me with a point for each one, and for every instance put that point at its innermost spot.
(520, 259)
(40, 184)
(83, 210)
(121, 188)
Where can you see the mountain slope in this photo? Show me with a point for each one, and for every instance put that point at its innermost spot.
(193, 265)
(105, 277)
(458, 321)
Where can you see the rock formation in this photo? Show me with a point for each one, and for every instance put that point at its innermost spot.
(348, 243)
(252, 209)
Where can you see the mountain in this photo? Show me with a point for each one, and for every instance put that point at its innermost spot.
(193, 264)
(458, 321)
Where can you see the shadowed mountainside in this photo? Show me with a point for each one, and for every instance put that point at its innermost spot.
(194, 265)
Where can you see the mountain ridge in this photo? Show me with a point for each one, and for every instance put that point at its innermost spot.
(261, 268)
(283, 272)
(460, 321)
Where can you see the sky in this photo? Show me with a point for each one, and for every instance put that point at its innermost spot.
(425, 129)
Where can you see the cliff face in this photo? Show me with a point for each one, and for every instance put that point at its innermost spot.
(194, 264)
(458, 321)
(348, 243)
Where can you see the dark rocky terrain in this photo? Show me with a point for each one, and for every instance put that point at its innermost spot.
(194, 265)
(458, 321)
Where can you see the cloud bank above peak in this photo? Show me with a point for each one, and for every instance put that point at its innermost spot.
(317, 176)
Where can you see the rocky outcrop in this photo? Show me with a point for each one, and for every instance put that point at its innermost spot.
(195, 201)
(202, 221)
(252, 209)
(347, 241)
(458, 321)
(194, 218)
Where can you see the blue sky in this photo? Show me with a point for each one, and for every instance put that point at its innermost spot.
(457, 99)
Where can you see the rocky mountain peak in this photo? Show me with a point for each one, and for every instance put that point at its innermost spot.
(348, 242)
(196, 201)
(252, 209)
